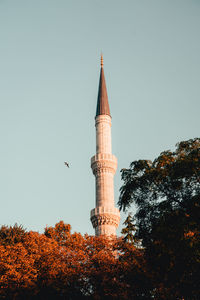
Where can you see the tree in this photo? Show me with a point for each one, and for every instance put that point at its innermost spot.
(61, 232)
(129, 230)
(12, 235)
(62, 265)
(166, 193)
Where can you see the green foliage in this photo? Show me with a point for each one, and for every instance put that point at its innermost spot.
(166, 193)
(129, 229)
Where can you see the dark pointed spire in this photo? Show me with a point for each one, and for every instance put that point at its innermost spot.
(102, 100)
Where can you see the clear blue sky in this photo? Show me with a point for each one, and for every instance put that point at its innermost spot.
(49, 72)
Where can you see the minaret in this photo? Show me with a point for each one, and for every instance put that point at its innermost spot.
(105, 216)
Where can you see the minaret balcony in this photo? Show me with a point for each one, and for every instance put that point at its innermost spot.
(105, 215)
(104, 162)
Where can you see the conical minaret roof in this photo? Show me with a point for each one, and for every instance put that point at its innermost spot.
(102, 100)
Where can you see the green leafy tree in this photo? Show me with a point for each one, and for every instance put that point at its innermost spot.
(129, 229)
(166, 193)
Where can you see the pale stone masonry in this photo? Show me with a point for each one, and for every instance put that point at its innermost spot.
(105, 216)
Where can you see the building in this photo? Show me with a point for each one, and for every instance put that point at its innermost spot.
(105, 216)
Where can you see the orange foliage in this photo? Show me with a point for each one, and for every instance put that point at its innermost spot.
(61, 265)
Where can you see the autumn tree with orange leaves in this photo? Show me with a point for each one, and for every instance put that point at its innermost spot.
(62, 265)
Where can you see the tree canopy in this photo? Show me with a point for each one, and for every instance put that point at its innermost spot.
(166, 194)
(158, 257)
(63, 265)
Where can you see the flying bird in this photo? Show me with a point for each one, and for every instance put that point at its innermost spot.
(66, 164)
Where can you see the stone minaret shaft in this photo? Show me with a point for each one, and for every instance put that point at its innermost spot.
(105, 217)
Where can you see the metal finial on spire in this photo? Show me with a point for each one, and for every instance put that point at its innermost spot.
(101, 60)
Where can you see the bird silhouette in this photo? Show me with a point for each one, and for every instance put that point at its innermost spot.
(66, 164)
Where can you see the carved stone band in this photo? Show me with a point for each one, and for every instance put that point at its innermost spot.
(105, 219)
(104, 163)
